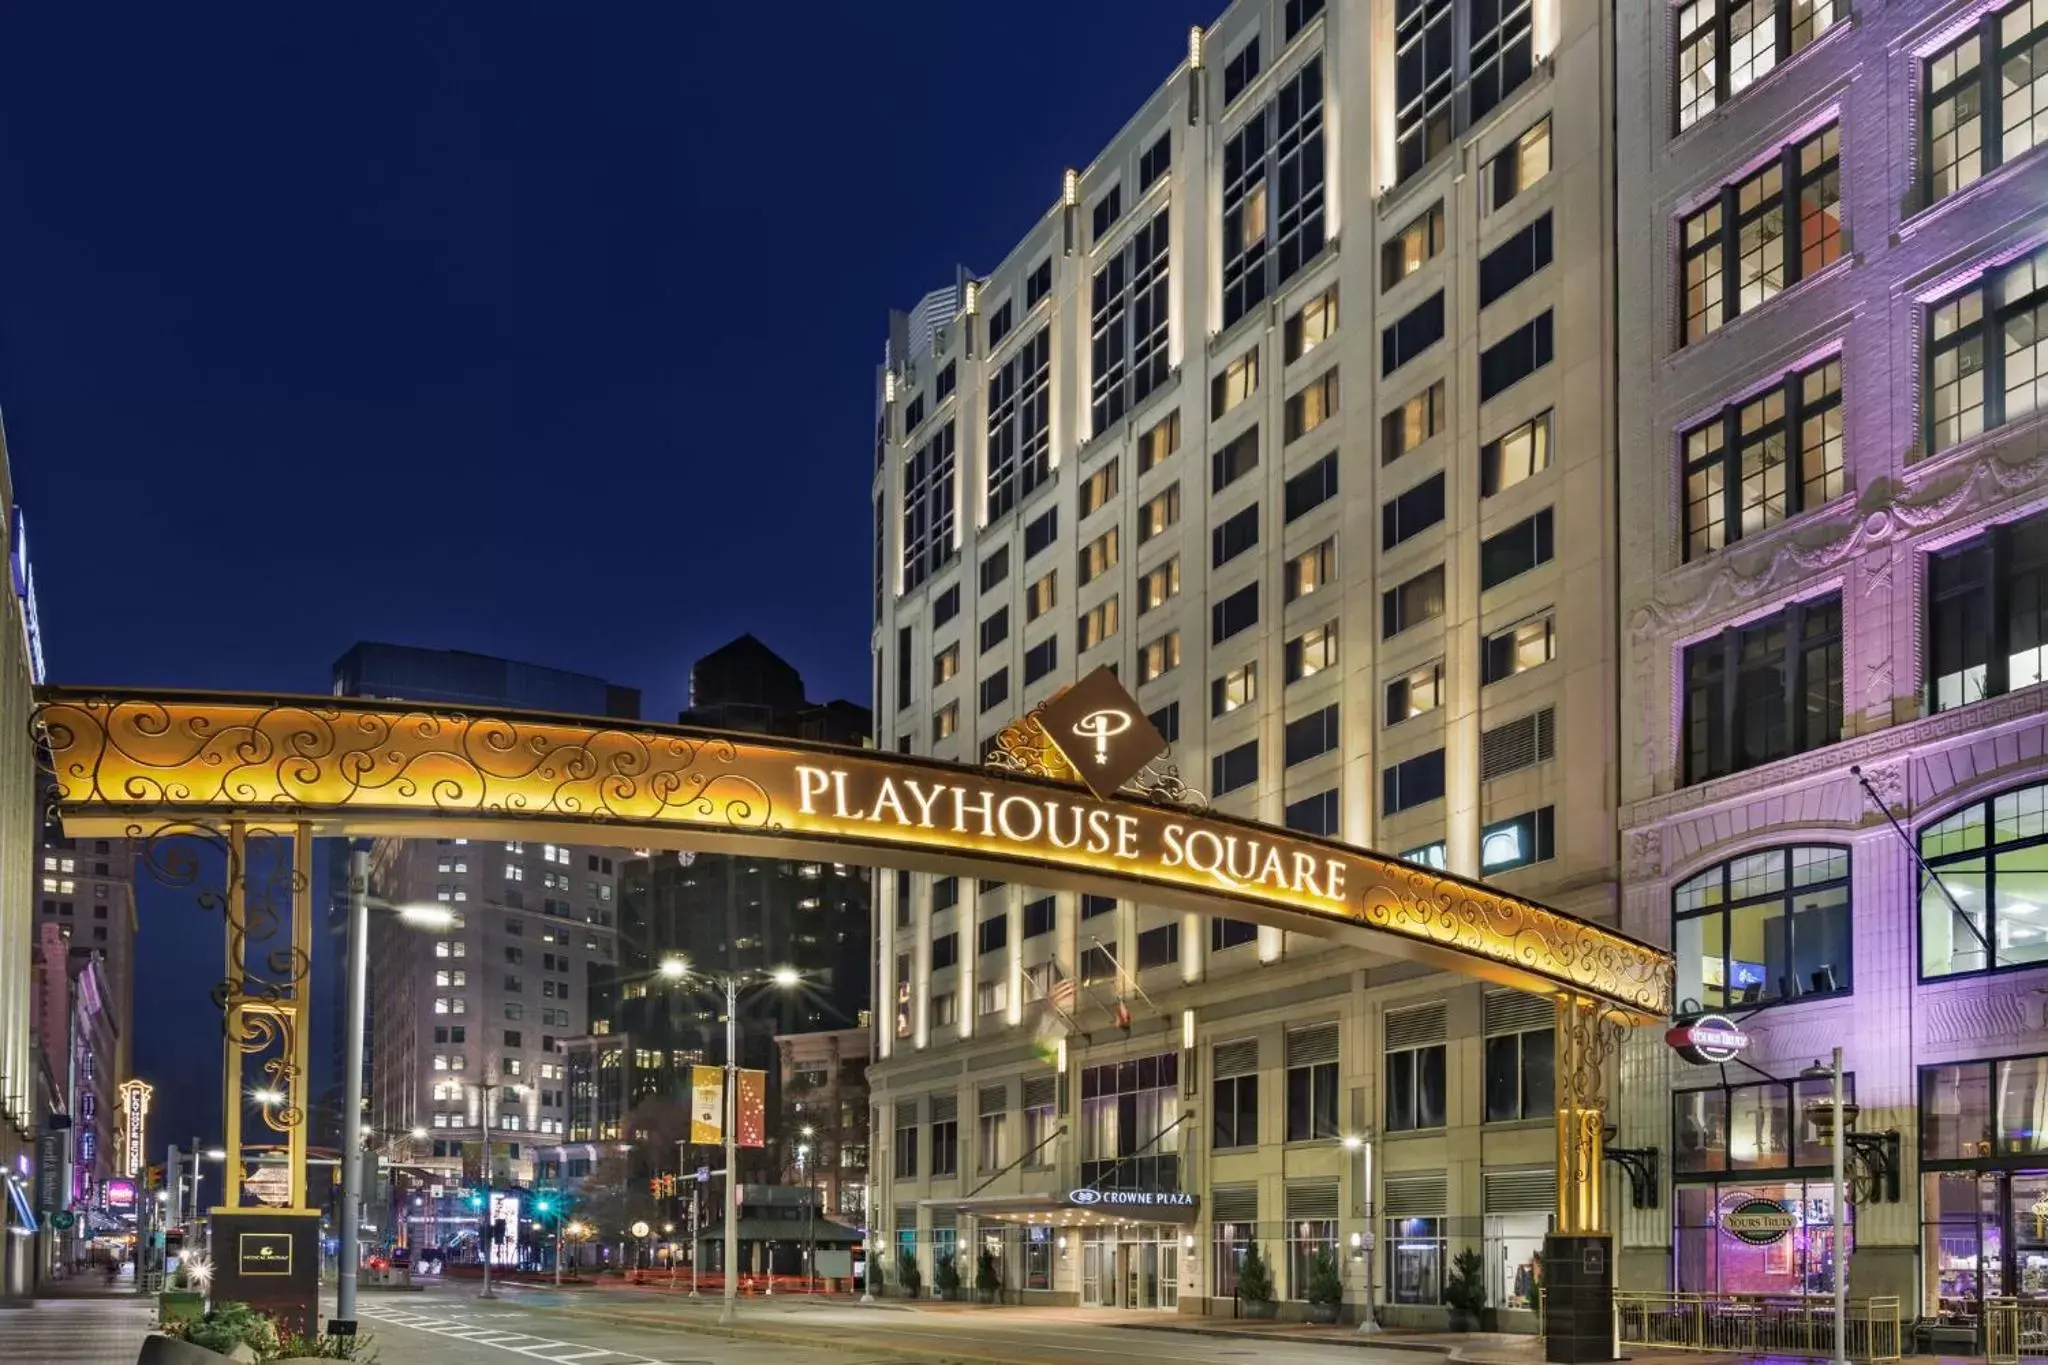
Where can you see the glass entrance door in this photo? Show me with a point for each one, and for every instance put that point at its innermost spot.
(1091, 1272)
(1169, 1273)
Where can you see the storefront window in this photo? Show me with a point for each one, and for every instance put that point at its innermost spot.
(1415, 1260)
(1761, 1127)
(1038, 1257)
(1963, 1241)
(1975, 1110)
(1514, 1258)
(1306, 1237)
(946, 1247)
(1762, 928)
(1782, 1243)
(1229, 1245)
(1989, 908)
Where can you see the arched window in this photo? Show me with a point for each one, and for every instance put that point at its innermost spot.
(1765, 927)
(1986, 907)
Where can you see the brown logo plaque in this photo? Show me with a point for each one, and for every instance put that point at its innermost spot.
(1098, 726)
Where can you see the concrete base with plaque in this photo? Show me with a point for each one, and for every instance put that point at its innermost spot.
(269, 1259)
(1578, 1298)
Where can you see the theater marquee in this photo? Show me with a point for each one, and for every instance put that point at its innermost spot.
(132, 763)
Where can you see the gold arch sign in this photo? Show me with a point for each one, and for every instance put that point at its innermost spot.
(127, 763)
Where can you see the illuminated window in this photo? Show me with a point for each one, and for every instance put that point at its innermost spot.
(1238, 381)
(1310, 652)
(1161, 513)
(1098, 556)
(1159, 586)
(1098, 488)
(945, 721)
(1516, 168)
(1769, 457)
(1312, 406)
(1041, 597)
(1413, 247)
(1414, 422)
(1128, 320)
(1763, 234)
(1764, 927)
(1158, 442)
(1415, 693)
(1714, 67)
(1311, 570)
(1238, 687)
(1098, 623)
(1281, 145)
(1518, 649)
(1514, 456)
(1159, 656)
(1312, 324)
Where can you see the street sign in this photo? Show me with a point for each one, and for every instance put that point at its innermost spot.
(703, 1175)
(62, 1219)
(639, 1229)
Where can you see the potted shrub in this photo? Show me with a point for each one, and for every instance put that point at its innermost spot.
(232, 1330)
(1325, 1288)
(988, 1279)
(1465, 1291)
(1255, 1285)
(908, 1275)
(179, 1300)
(946, 1277)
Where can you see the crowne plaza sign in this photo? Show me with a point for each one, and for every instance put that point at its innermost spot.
(1054, 814)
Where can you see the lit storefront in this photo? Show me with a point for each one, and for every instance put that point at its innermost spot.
(1984, 1158)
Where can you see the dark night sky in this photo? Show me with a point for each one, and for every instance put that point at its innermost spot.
(540, 330)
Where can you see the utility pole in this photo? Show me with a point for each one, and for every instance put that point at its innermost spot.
(732, 1159)
(357, 966)
(1841, 1216)
(483, 1221)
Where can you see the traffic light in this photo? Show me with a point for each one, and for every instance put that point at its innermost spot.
(154, 1178)
(476, 1199)
(543, 1205)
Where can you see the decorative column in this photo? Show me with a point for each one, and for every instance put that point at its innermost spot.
(1578, 1256)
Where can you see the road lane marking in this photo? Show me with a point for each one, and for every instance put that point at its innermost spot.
(537, 1348)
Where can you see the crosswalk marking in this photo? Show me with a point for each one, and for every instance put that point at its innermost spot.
(538, 1348)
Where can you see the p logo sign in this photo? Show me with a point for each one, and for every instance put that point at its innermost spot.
(1099, 728)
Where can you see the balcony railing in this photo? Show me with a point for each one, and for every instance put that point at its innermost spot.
(2015, 1331)
(1756, 1324)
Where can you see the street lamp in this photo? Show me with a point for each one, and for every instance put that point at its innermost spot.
(1834, 1118)
(1368, 1322)
(483, 1224)
(356, 974)
(678, 969)
(803, 1151)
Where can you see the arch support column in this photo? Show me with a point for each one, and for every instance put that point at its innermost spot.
(1578, 1255)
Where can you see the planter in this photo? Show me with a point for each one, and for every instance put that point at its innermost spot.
(162, 1350)
(913, 1291)
(180, 1305)
(1463, 1320)
(984, 1296)
(1322, 1312)
(1259, 1308)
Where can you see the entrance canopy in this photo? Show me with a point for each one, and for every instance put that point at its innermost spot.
(1086, 1207)
(137, 763)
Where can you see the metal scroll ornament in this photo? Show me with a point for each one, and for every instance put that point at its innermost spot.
(1023, 746)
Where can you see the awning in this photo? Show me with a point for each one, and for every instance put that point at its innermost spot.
(1083, 1207)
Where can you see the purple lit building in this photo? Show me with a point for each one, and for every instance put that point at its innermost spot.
(1834, 540)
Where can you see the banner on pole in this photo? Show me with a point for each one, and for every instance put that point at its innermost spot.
(753, 1107)
(707, 1098)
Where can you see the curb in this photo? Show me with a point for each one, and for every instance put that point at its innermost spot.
(1354, 1342)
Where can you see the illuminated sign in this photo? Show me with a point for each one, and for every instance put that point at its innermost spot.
(1099, 729)
(1171, 1206)
(505, 1210)
(264, 1253)
(25, 590)
(367, 768)
(120, 1194)
(134, 1126)
(1708, 1040)
(1759, 1222)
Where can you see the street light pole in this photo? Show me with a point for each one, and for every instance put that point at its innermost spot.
(1841, 1217)
(357, 967)
(732, 1165)
(483, 1218)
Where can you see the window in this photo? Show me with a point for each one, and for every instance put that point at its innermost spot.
(1098, 623)
(1041, 659)
(1312, 487)
(1159, 441)
(1019, 450)
(1420, 328)
(1107, 210)
(945, 1137)
(999, 324)
(1239, 611)
(1238, 381)
(1764, 690)
(1041, 596)
(1763, 234)
(1987, 615)
(946, 605)
(995, 628)
(1311, 735)
(1234, 535)
(1311, 570)
(995, 689)
(512, 1037)
(943, 386)
(945, 893)
(1436, 855)
(1521, 1057)
(1744, 470)
(906, 1140)
(1983, 114)
(1233, 461)
(1158, 656)
(1516, 842)
(1988, 352)
(1519, 648)
(1238, 687)
(945, 1012)
(1097, 965)
(1038, 916)
(1318, 814)
(1515, 357)
(1312, 1083)
(913, 414)
(1413, 512)
(1518, 549)
(1162, 512)
(1312, 406)
(1229, 933)
(992, 934)
(1517, 744)
(1424, 76)
(945, 951)
(1415, 1051)
(946, 664)
(1973, 1110)
(1420, 599)
(1763, 928)
(1414, 422)
(1416, 693)
(1241, 70)
(1166, 720)
(1714, 68)
(1412, 782)
(1514, 260)
(1159, 586)
(991, 1145)
(1130, 1124)
(1041, 532)
(1759, 1126)
(1515, 168)
(1159, 947)
(1314, 323)
(1127, 323)
(1098, 488)
(1413, 247)
(1234, 1103)
(995, 568)
(1155, 161)
(1234, 768)
(1279, 147)
(1989, 858)
(1098, 556)
(1091, 906)
(1516, 455)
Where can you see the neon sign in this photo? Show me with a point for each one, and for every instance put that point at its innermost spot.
(134, 1126)
(1708, 1040)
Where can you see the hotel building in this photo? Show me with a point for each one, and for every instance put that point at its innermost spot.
(1834, 546)
(1294, 409)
